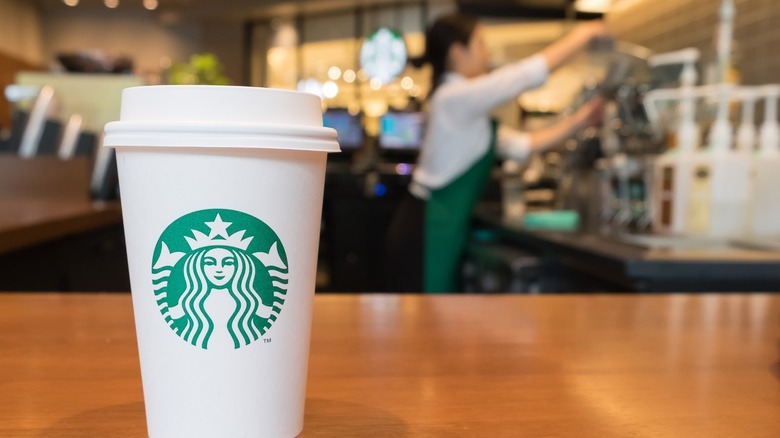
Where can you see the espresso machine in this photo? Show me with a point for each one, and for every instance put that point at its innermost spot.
(608, 171)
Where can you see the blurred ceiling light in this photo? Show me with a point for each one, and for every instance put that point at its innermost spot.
(407, 83)
(334, 73)
(111, 3)
(362, 76)
(71, 2)
(375, 84)
(151, 4)
(330, 89)
(593, 6)
(415, 91)
(375, 107)
(349, 76)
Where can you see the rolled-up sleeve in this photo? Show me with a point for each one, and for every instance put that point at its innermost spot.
(513, 144)
(478, 96)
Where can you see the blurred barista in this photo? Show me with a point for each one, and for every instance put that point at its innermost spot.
(429, 231)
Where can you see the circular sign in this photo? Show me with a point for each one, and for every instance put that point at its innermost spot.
(383, 55)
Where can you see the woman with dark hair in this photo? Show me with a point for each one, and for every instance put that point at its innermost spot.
(428, 235)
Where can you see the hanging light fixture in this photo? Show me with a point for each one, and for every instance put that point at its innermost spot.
(592, 6)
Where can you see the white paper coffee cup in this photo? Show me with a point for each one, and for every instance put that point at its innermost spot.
(221, 193)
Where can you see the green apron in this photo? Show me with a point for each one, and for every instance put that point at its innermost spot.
(447, 221)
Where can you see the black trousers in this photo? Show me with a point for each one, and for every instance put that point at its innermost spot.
(404, 247)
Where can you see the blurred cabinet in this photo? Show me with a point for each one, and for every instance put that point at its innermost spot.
(92, 261)
(52, 237)
(357, 212)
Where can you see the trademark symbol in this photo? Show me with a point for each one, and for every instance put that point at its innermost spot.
(266, 340)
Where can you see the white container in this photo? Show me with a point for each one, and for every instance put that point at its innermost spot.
(221, 197)
(672, 171)
(765, 203)
(672, 177)
(719, 194)
(764, 213)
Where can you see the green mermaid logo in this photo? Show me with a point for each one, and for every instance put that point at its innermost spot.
(216, 288)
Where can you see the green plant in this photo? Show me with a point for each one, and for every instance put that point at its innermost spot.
(203, 69)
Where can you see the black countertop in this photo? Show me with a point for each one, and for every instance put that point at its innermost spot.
(645, 263)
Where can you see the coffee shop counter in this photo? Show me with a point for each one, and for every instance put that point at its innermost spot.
(61, 244)
(52, 235)
(635, 263)
(427, 366)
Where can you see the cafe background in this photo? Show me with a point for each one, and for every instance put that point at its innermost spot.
(315, 46)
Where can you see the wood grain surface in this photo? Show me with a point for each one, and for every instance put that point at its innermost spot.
(450, 366)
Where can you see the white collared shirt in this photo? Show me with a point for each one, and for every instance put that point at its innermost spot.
(459, 126)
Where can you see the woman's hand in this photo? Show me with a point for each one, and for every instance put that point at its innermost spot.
(564, 49)
(595, 29)
(590, 114)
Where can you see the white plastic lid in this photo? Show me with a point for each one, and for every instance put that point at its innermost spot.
(220, 116)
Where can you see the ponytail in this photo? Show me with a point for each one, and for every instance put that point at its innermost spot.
(419, 61)
(439, 37)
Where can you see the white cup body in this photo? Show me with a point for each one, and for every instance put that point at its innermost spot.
(221, 191)
(257, 390)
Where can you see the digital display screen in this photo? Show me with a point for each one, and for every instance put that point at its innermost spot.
(402, 131)
(348, 127)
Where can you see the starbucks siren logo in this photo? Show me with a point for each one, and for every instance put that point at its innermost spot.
(219, 278)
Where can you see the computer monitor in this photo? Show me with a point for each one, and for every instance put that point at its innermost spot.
(349, 127)
(401, 132)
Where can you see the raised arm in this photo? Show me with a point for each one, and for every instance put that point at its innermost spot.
(557, 53)
(518, 145)
(478, 96)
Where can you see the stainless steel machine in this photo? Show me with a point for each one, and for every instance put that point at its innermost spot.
(607, 172)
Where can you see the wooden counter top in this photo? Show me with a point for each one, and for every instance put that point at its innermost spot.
(26, 222)
(45, 199)
(420, 366)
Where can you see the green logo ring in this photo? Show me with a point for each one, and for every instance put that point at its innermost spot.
(225, 256)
